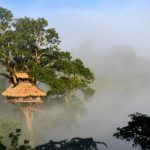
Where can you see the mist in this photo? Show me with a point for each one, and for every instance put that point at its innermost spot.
(122, 83)
(113, 40)
(122, 87)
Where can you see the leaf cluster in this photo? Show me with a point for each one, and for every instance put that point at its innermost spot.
(137, 130)
(14, 138)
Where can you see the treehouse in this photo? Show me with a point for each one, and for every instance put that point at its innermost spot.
(24, 94)
(24, 91)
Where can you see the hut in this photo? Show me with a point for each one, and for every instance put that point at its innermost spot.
(25, 95)
(24, 92)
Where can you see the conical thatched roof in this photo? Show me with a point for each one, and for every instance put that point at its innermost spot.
(24, 89)
(22, 75)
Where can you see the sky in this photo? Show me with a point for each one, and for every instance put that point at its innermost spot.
(94, 25)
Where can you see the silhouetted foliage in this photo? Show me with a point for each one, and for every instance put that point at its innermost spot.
(14, 138)
(2, 146)
(74, 144)
(5, 127)
(137, 130)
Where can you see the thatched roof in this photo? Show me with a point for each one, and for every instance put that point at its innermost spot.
(22, 75)
(24, 89)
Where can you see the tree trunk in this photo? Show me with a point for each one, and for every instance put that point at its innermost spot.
(28, 119)
(67, 101)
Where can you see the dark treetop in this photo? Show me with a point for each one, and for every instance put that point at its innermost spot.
(137, 131)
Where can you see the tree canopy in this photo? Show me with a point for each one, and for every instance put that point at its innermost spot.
(137, 131)
(29, 45)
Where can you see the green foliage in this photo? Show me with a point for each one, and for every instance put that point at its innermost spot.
(5, 127)
(2, 146)
(14, 138)
(30, 46)
(5, 19)
(137, 130)
(88, 92)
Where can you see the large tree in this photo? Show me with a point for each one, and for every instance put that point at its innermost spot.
(137, 131)
(29, 45)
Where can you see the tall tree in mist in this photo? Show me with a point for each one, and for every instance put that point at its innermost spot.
(28, 45)
(137, 131)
